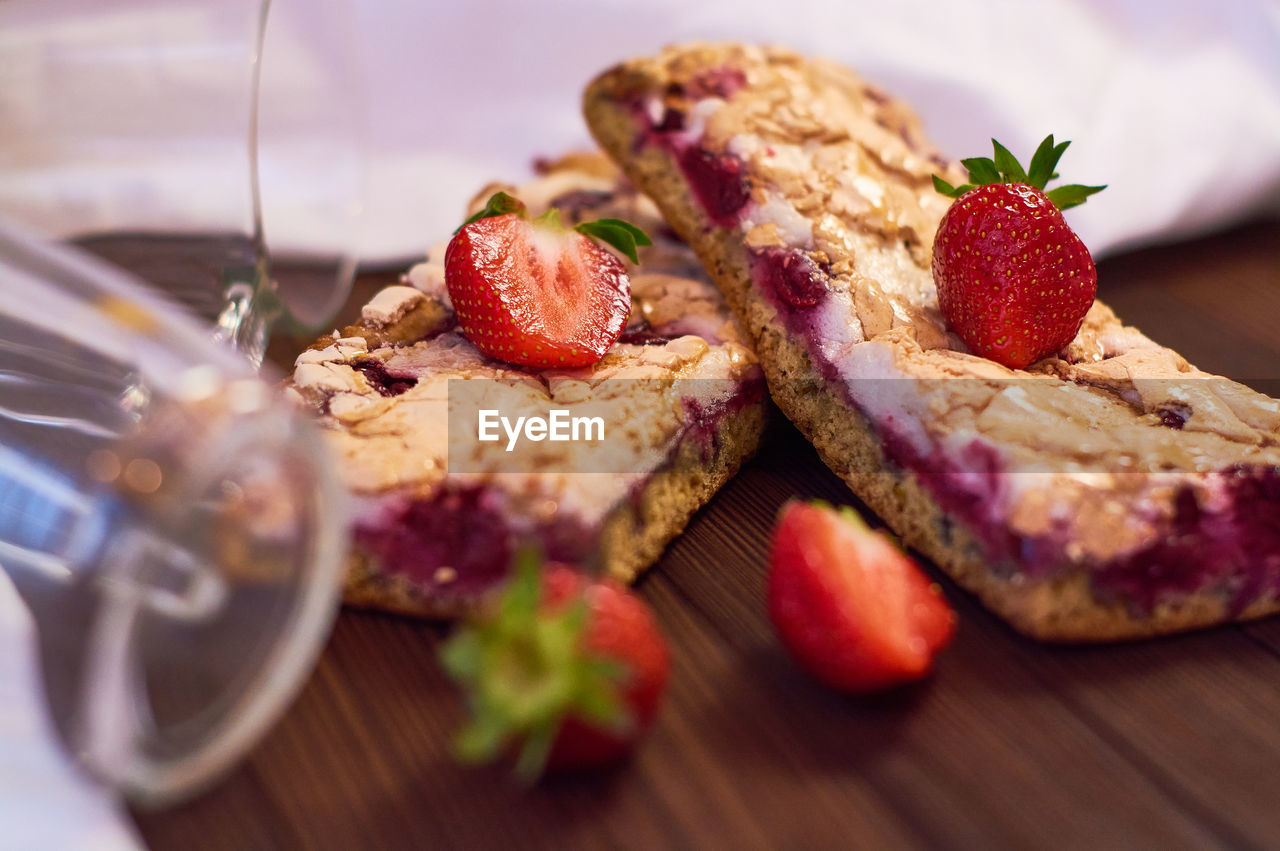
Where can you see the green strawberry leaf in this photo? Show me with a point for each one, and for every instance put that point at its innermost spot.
(944, 187)
(1044, 162)
(499, 204)
(1041, 168)
(1005, 168)
(949, 190)
(623, 236)
(523, 670)
(1072, 195)
(601, 704)
(1008, 165)
(550, 220)
(536, 750)
(519, 601)
(982, 170)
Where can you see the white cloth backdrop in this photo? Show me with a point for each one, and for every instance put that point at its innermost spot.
(44, 802)
(1173, 103)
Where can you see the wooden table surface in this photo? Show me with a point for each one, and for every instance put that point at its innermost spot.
(1170, 743)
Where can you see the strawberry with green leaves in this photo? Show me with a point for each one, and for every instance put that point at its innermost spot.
(563, 671)
(1014, 281)
(853, 609)
(535, 292)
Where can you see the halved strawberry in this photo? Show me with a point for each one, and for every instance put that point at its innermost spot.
(565, 670)
(852, 608)
(536, 293)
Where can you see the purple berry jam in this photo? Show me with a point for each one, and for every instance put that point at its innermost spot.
(702, 418)
(640, 333)
(1196, 550)
(386, 383)
(1200, 549)
(643, 337)
(672, 121)
(716, 82)
(1174, 415)
(716, 179)
(791, 276)
(464, 529)
(718, 183)
(459, 529)
(966, 486)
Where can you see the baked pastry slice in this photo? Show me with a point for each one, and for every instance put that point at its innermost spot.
(440, 512)
(1111, 491)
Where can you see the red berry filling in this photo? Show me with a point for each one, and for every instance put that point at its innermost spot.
(718, 182)
(716, 82)
(1174, 415)
(967, 486)
(1195, 551)
(459, 542)
(672, 121)
(716, 178)
(702, 417)
(643, 337)
(386, 383)
(1199, 548)
(791, 276)
(456, 542)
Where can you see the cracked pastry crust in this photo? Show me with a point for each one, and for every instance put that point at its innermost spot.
(430, 541)
(1111, 491)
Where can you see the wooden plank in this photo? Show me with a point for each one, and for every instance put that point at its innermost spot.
(985, 754)
(235, 814)
(1216, 299)
(1194, 713)
(1266, 633)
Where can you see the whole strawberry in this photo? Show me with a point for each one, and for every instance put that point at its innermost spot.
(535, 292)
(564, 671)
(1014, 281)
(853, 609)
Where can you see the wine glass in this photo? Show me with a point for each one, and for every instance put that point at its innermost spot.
(174, 526)
(194, 143)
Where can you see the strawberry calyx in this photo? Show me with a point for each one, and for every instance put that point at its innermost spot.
(621, 235)
(499, 204)
(845, 512)
(525, 669)
(1004, 167)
